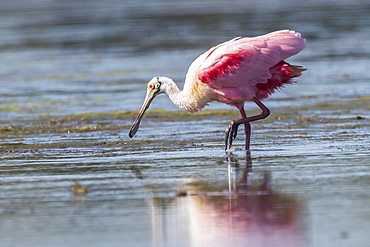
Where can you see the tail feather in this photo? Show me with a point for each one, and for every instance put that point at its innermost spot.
(281, 74)
(295, 70)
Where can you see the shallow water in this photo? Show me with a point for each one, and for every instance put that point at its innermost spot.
(73, 76)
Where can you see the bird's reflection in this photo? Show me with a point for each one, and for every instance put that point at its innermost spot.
(244, 211)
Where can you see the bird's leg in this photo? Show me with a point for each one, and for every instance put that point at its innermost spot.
(231, 132)
(247, 131)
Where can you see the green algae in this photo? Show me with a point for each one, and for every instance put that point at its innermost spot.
(18, 108)
(166, 116)
(106, 131)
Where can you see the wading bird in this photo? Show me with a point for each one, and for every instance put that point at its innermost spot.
(239, 70)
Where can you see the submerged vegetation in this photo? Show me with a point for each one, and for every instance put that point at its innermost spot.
(106, 132)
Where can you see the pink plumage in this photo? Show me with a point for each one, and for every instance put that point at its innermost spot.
(239, 70)
(243, 68)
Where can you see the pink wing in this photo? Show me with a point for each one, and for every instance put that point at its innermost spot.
(244, 61)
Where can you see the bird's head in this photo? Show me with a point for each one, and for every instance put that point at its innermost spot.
(154, 88)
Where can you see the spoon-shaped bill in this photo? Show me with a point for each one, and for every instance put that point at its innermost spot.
(148, 99)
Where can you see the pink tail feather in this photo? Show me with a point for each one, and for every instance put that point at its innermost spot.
(282, 73)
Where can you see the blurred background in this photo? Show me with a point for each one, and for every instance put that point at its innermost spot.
(78, 53)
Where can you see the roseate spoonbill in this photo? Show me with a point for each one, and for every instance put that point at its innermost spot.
(239, 70)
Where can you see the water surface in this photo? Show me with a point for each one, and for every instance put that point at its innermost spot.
(73, 76)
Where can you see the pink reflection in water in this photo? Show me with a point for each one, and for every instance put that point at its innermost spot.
(249, 215)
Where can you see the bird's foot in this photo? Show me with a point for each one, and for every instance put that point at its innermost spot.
(230, 135)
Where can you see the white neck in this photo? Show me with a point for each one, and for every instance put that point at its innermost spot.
(183, 99)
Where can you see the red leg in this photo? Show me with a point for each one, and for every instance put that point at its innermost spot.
(232, 130)
(247, 129)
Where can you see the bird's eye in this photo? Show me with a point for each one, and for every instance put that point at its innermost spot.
(150, 86)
